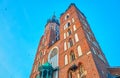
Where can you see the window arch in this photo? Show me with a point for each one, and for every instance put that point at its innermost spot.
(67, 16)
(79, 50)
(53, 60)
(53, 53)
(70, 43)
(69, 74)
(76, 37)
(72, 56)
(66, 59)
(53, 56)
(65, 46)
(82, 73)
(68, 24)
(69, 32)
(64, 35)
(74, 27)
(73, 20)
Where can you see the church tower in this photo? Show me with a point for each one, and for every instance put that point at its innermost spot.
(51, 34)
(82, 55)
(69, 49)
(45, 55)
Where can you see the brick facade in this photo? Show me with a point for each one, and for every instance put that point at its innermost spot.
(74, 40)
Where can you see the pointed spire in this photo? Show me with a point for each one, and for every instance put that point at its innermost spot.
(53, 17)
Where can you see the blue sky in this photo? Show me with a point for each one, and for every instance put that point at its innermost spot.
(22, 23)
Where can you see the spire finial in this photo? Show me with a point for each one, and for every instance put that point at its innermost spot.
(53, 17)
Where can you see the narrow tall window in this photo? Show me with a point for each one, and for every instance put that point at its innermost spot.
(65, 46)
(70, 43)
(73, 20)
(76, 38)
(69, 32)
(64, 35)
(79, 50)
(66, 59)
(64, 26)
(82, 72)
(68, 24)
(72, 56)
(67, 16)
(74, 27)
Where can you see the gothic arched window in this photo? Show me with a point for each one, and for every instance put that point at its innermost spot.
(53, 53)
(82, 71)
(70, 43)
(53, 57)
(72, 56)
(68, 24)
(69, 32)
(66, 59)
(67, 16)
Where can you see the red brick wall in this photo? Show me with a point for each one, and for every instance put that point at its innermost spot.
(94, 67)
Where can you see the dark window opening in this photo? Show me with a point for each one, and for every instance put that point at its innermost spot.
(68, 24)
(72, 56)
(69, 32)
(67, 16)
(45, 74)
(70, 42)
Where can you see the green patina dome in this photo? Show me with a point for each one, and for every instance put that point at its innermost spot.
(45, 66)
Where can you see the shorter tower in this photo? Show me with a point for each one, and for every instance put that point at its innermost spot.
(51, 31)
(46, 60)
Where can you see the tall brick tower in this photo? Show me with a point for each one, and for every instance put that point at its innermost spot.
(69, 49)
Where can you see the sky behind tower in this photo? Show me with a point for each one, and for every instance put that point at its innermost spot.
(22, 23)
